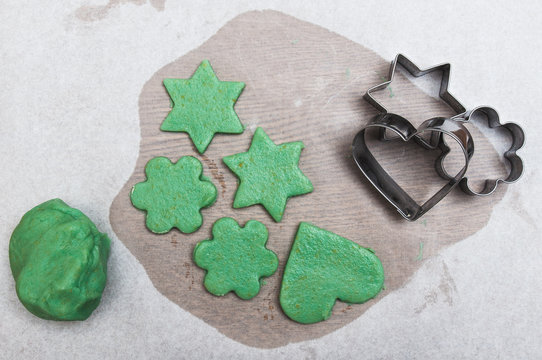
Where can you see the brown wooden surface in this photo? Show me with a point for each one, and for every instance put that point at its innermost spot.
(303, 83)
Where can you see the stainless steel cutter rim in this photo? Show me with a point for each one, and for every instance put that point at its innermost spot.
(384, 183)
(516, 163)
(415, 71)
(462, 115)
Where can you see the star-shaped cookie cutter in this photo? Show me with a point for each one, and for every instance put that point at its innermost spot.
(415, 71)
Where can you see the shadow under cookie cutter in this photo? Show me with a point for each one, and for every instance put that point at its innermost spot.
(385, 184)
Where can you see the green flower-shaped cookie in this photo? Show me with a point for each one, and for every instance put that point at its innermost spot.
(236, 259)
(269, 174)
(174, 194)
(203, 106)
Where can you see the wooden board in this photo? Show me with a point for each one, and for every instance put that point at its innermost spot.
(303, 83)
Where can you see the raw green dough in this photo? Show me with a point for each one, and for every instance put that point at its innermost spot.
(269, 174)
(322, 268)
(236, 259)
(59, 262)
(174, 194)
(203, 106)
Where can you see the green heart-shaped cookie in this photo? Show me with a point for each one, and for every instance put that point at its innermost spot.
(324, 267)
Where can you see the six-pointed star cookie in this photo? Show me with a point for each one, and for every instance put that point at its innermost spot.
(173, 194)
(268, 174)
(203, 106)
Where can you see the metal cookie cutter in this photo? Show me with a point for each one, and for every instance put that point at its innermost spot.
(516, 163)
(438, 127)
(415, 71)
(518, 136)
(384, 183)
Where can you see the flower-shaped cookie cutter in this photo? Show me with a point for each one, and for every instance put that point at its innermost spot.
(516, 163)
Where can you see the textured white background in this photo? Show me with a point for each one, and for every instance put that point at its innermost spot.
(69, 128)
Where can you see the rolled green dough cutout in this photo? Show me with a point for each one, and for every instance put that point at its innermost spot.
(268, 174)
(236, 259)
(59, 261)
(203, 106)
(322, 268)
(174, 194)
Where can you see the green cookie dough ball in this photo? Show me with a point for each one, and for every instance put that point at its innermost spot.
(59, 262)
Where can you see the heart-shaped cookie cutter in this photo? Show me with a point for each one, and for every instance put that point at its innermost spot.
(385, 184)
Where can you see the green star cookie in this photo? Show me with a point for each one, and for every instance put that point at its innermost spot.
(268, 174)
(203, 106)
(236, 259)
(173, 194)
(323, 267)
